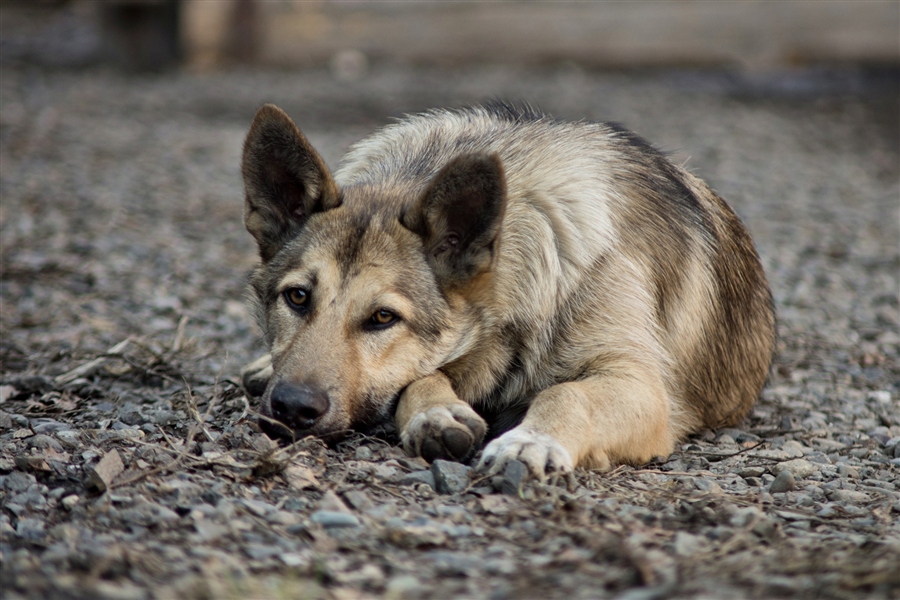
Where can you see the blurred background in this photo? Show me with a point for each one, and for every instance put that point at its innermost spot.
(348, 35)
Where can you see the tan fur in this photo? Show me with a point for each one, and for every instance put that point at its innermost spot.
(593, 302)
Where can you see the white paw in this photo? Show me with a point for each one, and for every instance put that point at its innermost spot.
(540, 452)
(453, 432)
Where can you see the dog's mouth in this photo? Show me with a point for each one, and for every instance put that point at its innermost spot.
(375, 423)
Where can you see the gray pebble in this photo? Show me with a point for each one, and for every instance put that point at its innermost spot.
(363, 453)
(784, 482)
(148, 514)
(417, 477)
(43, 441)
(751, 472)
(514, 476)
(18, 481)
(799, 468)
(848, 471)
(48, 426)
(30, 499)
(332, 518)
(450, 477)
(30, 529)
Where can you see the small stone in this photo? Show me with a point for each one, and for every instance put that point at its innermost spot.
(32, 500)
(799, 468)
(331, 518)
(828, 445)
(18, 481)
(148, 514)
(283, 517)
(363, 453)
(358, 499)
(795, 449)
(101, 475)
(707, 485)
(882, 396)
(70, 502)
(420, 533)
(42, 441)
(687, 544)
(209, 531)
(751, 472)
(848, 496)
(417, 477)
(385, 471)
(332, 502)
(784, 482)
(514, 476)
(450, 477)
(294, 559)
(30, 529)
(403, 586)
(258, 508)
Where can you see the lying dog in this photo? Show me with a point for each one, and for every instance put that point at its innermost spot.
(560, 286)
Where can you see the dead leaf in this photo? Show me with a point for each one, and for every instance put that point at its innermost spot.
(301, 477)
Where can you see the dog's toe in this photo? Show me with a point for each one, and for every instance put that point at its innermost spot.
(540, 452)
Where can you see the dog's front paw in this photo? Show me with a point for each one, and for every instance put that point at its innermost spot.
(540, 452)
(452, 432)
(255, 376)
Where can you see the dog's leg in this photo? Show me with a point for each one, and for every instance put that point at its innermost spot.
(623, 417)
(255, 376)
(434, 423)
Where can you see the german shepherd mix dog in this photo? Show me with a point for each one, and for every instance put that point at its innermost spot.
(559, 286)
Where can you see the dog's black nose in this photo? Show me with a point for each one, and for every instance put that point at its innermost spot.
(297, 406)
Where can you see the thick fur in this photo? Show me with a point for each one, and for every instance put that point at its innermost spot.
(560, 286)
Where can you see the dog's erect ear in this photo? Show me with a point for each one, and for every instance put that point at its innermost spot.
(459, 217)
(285, 180)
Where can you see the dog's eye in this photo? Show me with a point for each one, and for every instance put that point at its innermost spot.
(297, 298)
(382, 319)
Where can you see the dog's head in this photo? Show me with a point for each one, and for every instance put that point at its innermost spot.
(363, 289)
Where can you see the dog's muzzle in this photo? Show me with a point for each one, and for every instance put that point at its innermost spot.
(298, 406)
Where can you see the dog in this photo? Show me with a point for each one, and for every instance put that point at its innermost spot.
(559, 287)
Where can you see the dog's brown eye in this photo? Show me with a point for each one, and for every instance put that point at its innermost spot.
(296, 298)
(382, 318)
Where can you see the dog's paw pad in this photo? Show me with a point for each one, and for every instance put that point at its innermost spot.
(540, 452)
(458, 442)
(447, 432)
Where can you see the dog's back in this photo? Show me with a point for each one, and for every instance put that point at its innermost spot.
(604, 242)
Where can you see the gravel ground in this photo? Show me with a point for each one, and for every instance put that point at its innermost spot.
(130, 466)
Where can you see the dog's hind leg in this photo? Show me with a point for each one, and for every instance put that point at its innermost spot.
(604, 419)
(255, 376)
